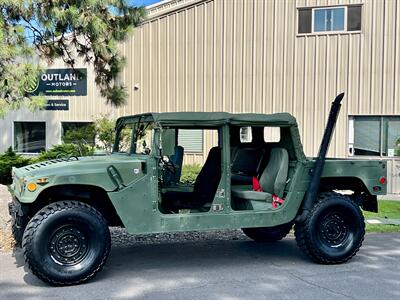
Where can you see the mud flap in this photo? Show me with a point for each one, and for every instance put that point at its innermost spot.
(367, 202)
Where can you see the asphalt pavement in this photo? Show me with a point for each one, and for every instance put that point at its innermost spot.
(221, 269)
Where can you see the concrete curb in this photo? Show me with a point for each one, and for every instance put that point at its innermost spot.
(392, 197)
(382, 221)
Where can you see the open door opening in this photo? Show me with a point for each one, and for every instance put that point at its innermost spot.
(188, 181)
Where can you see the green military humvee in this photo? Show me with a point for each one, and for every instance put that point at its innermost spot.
(256, 177)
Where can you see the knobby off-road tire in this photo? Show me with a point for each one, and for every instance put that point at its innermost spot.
(66, 243)
(268, 234)
(333, 231)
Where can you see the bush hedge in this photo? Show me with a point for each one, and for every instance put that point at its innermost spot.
(63, 151)
(190, 172)
(8, 160)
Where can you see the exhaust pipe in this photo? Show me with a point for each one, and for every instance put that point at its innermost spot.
(318, 167)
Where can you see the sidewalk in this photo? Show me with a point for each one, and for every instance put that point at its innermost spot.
(6, 240)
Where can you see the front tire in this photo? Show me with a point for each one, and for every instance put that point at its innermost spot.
(268, 234)
(333, 231)
(66, 243)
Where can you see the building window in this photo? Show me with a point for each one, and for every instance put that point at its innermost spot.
(191, 140)
(246, 135)
(374, 136)
(329, 19)
(78, 132)
(29, 137)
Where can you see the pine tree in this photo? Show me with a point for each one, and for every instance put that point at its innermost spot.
(88, 30)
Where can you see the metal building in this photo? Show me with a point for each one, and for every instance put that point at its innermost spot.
(261, 56)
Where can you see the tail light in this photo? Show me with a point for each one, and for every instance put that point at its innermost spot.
(382, 180)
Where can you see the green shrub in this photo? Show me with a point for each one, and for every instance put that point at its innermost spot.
(11, 159)
(64, 150)
(105, 132)
(8, 160)
(190, 172)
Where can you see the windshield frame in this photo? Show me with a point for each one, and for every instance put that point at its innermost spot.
(136, 122)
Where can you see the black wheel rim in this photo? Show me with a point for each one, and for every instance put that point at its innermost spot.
(333, 230)
(68, 246)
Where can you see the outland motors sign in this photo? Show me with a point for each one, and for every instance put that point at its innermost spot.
(60, 82)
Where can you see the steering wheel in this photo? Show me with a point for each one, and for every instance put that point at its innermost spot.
(146, 151)
(167, 165)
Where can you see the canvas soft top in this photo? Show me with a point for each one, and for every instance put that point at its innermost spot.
(212, 118)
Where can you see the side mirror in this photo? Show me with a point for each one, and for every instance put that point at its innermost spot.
(168, 138)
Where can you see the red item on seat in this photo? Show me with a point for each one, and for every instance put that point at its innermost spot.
(256, 185)
(276, 201)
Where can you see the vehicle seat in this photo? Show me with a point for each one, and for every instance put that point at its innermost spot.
(205, 186)
(246, 163)
(177, 160)
(272, 180)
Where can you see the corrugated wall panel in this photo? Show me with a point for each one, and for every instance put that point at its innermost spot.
(245, 55)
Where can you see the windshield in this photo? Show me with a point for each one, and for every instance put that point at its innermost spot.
(135, 138)
(144, 138)
(124, 138)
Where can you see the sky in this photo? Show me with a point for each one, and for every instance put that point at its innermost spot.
(143, 2)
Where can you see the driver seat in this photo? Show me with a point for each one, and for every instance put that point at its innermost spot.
(176, 159)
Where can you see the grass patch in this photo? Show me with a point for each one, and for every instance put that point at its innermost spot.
(190, 172)
(387, 209)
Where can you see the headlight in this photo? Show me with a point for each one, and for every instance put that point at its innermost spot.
(42, 181)
(21, 182)
(13, 175)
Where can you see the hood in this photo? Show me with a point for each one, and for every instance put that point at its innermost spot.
(89, 170)
(76, 166)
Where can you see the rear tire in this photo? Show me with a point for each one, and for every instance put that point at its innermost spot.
(66, 243)
(333, 231)
(268, 234)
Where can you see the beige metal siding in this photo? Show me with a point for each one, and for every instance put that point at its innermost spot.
(393, 184)
(246, 56)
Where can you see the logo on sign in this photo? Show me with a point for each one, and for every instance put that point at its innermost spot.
(32, 85)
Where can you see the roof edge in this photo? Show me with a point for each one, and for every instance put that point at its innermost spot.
(160, 9)
(216, 117)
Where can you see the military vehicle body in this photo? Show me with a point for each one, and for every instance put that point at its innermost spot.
(62, 208)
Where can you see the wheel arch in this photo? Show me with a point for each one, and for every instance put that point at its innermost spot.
(354, 184)
(361, 195)
(94, 196)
